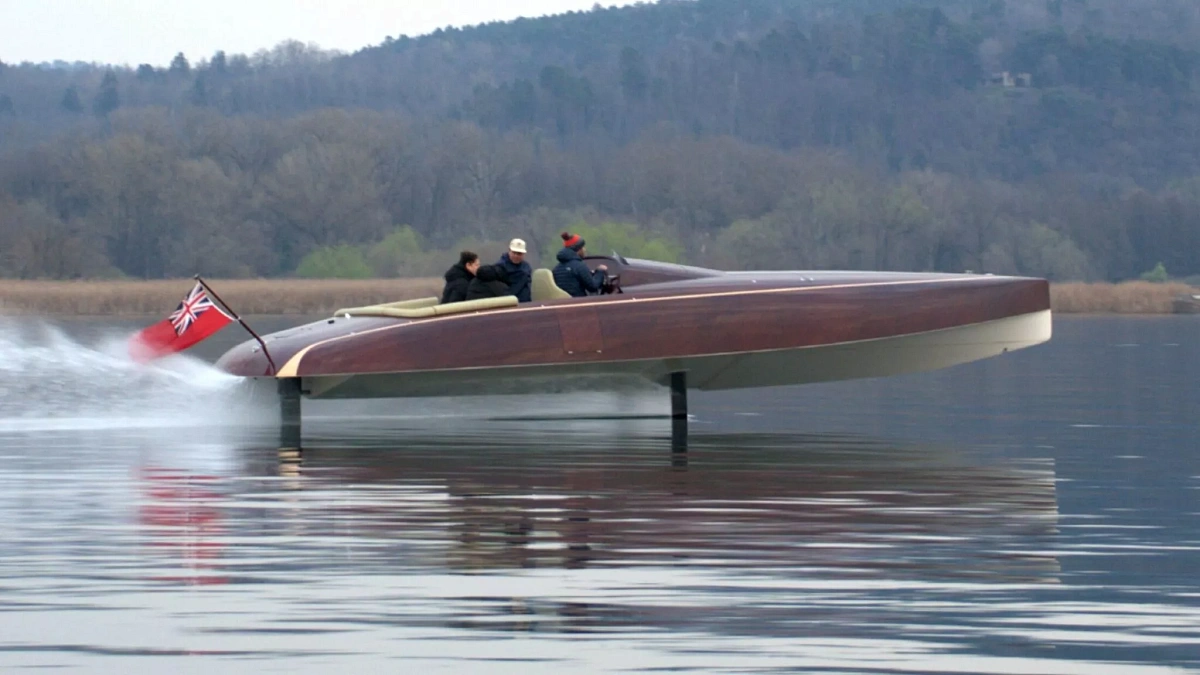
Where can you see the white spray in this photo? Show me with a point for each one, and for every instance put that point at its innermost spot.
(49, 381)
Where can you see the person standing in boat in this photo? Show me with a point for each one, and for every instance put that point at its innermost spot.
(518, 272)
(491, 281)
(571, 274)
(459, 277)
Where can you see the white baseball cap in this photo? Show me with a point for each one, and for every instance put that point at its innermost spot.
(517, 245)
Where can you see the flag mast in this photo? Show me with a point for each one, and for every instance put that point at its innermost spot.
(249, 330)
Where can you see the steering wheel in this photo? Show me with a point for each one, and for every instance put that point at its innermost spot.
(611, 285)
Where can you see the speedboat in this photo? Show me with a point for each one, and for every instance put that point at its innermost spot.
(673, 325)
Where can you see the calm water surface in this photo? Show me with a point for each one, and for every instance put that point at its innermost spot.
(1036, 513)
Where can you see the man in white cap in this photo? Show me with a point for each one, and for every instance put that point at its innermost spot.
(519, 273)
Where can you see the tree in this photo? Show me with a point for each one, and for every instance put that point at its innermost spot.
(36, 244)
(70, 100)
(208, 227)
(179, 65)
(334, 262)
(1038, 250)
(627, 239)
(199, 94)
(322, 195)
(6, 106)
(635, 79)
(572, 98)
(1157, 275)
(108, 98)
(395, 254)
(858, 133)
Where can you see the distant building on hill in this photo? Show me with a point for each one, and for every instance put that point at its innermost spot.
(1007, 79)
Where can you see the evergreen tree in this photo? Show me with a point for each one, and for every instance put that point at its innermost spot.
(635, 79)
(108, 98)
(70, 100)
(179, 65)
(146, 73)
(199, 94)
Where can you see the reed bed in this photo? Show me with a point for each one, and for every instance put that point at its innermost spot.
(245, 296)
(312, 296)
(1128, 297)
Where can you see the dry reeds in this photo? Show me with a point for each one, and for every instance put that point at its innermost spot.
(1129, 297)
(312, 296)
(245, 296)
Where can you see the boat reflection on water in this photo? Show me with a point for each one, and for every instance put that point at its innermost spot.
(824, 504)
(519, 530)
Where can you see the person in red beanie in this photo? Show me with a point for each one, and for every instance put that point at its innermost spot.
(571, 274)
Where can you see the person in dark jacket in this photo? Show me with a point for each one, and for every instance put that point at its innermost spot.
(571, 274)
(518, 272)
(490, 282)
(459, 277)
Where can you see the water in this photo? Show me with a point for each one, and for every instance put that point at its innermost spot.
(1036, 513)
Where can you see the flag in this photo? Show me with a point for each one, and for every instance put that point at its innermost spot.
(195, 319)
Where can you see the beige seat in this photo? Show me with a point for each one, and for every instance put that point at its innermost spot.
(420, 309)
(542, 287)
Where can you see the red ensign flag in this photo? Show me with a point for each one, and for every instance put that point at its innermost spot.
(195, 319)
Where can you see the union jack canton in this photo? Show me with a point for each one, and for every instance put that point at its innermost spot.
(196, 303)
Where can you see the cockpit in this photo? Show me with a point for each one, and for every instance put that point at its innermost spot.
(622, 273)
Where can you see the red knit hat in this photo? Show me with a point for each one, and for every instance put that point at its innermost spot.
(572, 241)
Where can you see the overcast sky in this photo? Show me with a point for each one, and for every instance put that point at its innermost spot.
(152, 31)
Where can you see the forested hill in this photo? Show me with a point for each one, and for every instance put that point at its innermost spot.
(1050, 137)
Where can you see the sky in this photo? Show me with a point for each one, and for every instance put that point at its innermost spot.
(131, 32)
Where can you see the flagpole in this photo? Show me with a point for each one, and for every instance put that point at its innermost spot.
(249, 330)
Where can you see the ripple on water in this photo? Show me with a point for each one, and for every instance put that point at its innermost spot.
(141, 532)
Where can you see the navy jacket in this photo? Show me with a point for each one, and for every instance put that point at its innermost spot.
(519, 278)
(574, 277)
(488, 283)
(457, 279)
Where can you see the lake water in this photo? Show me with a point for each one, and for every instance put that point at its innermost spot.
(1034, 513)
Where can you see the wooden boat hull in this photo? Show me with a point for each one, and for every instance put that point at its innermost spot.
(725, 330)
(1186, 304)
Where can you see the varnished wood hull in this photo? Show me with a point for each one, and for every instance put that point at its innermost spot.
(725, 330)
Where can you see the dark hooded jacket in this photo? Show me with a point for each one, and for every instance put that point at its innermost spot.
(457, 280)
(489, 282)
(574, 277)
(519, 277)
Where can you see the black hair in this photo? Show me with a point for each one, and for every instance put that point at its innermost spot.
(467, 257)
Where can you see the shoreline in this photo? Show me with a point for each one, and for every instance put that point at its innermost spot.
(291, 297)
